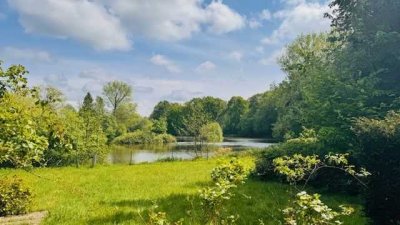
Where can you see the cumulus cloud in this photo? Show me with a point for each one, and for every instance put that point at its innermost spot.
(222, 19)
(257, 21)
(299, 17)
(111, 24)
(205, 66)
(265, 15)
(32, 55)
(254, 24)
(86, 21)
(236, 55)
(161, 60)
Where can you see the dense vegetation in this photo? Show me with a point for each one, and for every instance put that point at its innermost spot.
(122, 194)
(39, 128)
(338, 89)
(341, 95)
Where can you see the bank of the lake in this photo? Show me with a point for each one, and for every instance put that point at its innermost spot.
(183, 149)
(121, 194)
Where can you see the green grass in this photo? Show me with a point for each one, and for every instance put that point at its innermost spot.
(122, 194)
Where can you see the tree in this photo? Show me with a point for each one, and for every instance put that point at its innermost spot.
(13, 79)
(161, 110)
(235, 111)
(127, 116)
(20, 143)
(117, 92)
(379, 152)
(94, 138)
(160, 126)
(211, 132)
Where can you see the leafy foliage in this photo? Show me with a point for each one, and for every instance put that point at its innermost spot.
(20, 142)
(15, 198)
(117, 92)
(309, 209)
(211, 132)
(379, 152)
(225, 177)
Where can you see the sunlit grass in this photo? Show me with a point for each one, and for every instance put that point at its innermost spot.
(121, 194)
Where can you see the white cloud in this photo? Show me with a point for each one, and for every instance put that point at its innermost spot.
(83, 20)
(205, 66)
(236, 55)
(299, 17)
(254, 24)
(223, 19)
(111, 24)
(161, 60)
(265, 15)
(257, 21)
(32, 55)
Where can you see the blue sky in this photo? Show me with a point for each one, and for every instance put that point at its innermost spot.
(166, 49)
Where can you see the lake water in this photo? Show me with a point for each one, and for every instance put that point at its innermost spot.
(183, 149)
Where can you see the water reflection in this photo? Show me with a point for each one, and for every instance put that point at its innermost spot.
(183, 149)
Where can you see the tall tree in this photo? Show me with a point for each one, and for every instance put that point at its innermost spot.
(94, 138)
(234, 113)
(117, 92)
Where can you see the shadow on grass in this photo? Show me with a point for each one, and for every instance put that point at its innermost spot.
(253, 201)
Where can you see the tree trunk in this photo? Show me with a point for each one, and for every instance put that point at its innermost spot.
(94, 160)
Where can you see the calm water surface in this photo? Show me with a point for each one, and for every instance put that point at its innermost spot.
(183, 149)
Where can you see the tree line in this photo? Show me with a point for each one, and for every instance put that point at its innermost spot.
(38, 127)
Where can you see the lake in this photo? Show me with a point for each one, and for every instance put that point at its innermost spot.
(183, 149)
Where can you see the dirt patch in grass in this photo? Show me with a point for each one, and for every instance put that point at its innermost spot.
(27, 219)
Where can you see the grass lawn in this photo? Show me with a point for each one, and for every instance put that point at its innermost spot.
(121, 194)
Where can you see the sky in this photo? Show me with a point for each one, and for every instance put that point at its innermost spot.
(171, 50)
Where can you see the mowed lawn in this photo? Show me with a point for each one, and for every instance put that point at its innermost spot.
(122, 194)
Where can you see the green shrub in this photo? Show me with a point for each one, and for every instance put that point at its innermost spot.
(379, 152)
(143, 138)
(166, 138)
(134, 138)
(14, 197)
(211, 132)
(308, 143)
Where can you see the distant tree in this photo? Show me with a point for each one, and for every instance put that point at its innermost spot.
(94, 138)
(161, 110)
(175, 120)
(13, 79)
(117, 92)
(160, 126)
(211, 132)
(99, 106)
(213, 107)
(234, 113)
(127, 116)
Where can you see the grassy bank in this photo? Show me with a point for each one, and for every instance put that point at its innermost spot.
(122, 194)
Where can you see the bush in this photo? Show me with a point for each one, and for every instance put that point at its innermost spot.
(211, 132)
(14, 197)
(166, 138)
(145, 138)
(134, 138)
(308, 143)
(379, 152)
